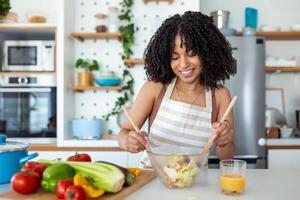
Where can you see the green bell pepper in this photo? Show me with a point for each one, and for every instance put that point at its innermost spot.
(53, 174)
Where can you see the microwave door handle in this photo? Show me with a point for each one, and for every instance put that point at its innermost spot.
(27, 90)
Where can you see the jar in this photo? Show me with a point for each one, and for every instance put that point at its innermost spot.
(101, 22)
(113, 18)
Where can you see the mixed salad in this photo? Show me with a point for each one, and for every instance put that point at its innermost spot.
(180, 170)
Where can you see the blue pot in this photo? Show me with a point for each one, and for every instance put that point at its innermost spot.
(12, 156)
(87, 129)
(107, 81)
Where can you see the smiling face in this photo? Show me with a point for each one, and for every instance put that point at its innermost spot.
(186, 65)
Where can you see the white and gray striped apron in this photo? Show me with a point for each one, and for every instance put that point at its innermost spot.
(181, 124)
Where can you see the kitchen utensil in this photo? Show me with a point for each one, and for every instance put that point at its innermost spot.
(179, 167)
(211, 139)
(286, 132)
(107, 81)
(298, 118)
(87, 129)
(232, 176)
(251, 18)
(12, 155)
(220, 18)
(141, 180)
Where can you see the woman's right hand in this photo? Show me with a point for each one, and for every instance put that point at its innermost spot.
(133, 142)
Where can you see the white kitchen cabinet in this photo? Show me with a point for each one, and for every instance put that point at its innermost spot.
(284, 159)
(116, 157)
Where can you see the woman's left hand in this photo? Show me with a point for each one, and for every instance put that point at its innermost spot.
(222, 133)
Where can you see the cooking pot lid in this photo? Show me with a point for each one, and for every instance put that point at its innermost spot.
(11, 146)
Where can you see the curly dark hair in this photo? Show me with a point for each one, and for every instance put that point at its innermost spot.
(201, 37)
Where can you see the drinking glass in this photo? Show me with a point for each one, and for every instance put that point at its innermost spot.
(232, 176)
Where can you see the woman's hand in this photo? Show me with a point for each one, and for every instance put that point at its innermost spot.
(222, 133)
(133, 142)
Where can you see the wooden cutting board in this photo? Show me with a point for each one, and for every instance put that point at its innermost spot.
(145, 177)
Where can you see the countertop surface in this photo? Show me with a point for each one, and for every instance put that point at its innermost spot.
(261, 184)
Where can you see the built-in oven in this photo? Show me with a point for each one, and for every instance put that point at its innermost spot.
(28, 106)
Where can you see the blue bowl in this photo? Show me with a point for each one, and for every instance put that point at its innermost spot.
(108, 81)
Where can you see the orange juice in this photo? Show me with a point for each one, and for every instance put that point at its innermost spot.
(232, 182)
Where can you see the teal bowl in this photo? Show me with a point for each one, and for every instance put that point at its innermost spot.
(107, 81)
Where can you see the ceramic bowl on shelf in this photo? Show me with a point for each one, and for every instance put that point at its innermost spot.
(107, 81)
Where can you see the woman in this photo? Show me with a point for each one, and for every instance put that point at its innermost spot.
(183, 101)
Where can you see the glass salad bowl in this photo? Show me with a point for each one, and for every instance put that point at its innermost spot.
(178, 167)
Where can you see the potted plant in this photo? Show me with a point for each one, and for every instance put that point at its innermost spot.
(84, 78)
(5, 15)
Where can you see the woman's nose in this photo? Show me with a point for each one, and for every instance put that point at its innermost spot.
(183, 62)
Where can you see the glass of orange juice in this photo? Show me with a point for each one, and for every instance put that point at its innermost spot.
(232, 176)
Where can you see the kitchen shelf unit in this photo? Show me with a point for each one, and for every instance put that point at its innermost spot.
(283, 69)
(136, 61)
(83, 88)
(81, 36)
(277, 35)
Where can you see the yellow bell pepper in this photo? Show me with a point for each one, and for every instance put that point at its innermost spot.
(134, 170)
(90, 191)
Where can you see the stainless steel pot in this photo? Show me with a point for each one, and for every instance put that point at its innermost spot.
(220, 18)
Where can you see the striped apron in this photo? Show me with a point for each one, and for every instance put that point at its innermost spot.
(180, 124)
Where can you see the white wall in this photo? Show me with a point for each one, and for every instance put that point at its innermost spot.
(25, 8)
(274, 13)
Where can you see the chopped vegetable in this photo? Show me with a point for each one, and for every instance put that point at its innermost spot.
(100, 175)
(135, 170)
(181, 171)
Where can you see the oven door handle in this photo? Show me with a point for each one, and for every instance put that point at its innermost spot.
(28, 90)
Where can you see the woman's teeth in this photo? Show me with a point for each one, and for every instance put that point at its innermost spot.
(186, 72)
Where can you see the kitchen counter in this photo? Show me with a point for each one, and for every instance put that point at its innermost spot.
(261, 184)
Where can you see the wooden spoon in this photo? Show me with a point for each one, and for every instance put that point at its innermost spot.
(211, 139)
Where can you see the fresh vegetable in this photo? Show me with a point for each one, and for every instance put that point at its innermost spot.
(102, 176)
(62, 186)
(75, 192)
(54, 173)
(90, 191)
(25, 182)
(129, 176)
(37, 167)
(136, 171)
(82, 157)
(181, 171)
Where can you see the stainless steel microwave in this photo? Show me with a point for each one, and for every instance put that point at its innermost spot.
(28, 55)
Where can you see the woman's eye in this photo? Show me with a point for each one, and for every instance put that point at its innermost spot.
(191, 54)
(175, 57)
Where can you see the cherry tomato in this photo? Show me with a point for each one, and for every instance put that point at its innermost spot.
(25, 182)
(37, 167)
(62, 186)
(75, 192)
(82, 157)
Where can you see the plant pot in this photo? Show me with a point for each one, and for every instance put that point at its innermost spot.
(84, 79)
(12, 156)
(11, 17)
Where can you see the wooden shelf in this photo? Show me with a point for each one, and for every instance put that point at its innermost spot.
(277, 35)
(24, 73)
(135, 61)
(89, 36)
(146, 1)
(283, 69)
(83, 88)
(27, 26)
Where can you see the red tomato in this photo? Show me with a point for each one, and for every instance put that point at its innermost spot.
(37, 167)
(62, 186)
(82, 157)
(75, 192)
(25, 182)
